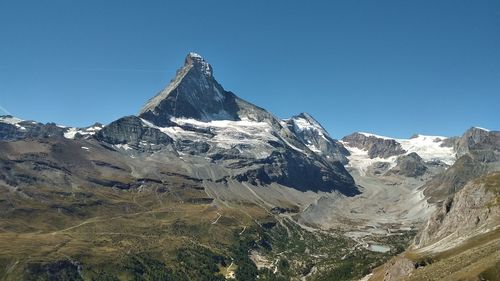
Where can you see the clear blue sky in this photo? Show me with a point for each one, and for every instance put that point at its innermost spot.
(389, 67)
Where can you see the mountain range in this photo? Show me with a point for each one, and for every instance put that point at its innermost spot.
(203, 185)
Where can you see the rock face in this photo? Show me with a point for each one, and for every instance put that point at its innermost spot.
(473, 210)
(376, 146)
(409, 165)
(315, 137)
(12, 128)
(478, 150)
(481, 144)
(397, 268)
(454, 178)
(131, 130)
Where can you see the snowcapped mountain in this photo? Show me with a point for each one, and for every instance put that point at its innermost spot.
(316, 138)
(195, 117)
(368, 149)
(195, 94)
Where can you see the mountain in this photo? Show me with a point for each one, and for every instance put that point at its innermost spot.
(194, 93)
(316, 138)
(203, 185)
(201, 121)
(460, 239)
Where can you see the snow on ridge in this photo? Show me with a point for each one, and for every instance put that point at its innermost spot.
(481, 128)
(374, 135)
(195, 55)
(10, 119)
(7, 119)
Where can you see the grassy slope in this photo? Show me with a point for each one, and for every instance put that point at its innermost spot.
(104, 234)
(101, 228)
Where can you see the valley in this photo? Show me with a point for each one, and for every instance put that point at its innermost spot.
(203, 185)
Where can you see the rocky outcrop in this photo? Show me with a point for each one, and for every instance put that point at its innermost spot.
(409, 165)
(454, 178)
(397, 268)
(292, 169)
(12, 129)
(481, 144)
(376, 146)
(471, 211)
(132, 131)
(457, 228)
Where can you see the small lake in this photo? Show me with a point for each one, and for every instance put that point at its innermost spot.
(379, 248)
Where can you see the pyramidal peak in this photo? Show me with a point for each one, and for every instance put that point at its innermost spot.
(195, 94)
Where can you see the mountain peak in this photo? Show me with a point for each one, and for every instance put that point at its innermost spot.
(195, 94)
(199, 63)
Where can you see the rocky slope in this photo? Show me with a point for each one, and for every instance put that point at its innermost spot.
(460, 241)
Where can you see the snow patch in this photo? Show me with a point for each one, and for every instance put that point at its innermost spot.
(360, 160)
(10, 120)
(7, 119)
(246, 136)
(123, 146)
(429, 148)
(71, 132)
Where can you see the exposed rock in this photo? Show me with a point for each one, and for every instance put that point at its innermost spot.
(378, 168)
(19, 129)
(292, 169)
(131, 130)
(450, 142)
(471, 211)
(481, 144)
(409, 165)
(454, 178)
(316, 138)
(397, 268)
(376, 146)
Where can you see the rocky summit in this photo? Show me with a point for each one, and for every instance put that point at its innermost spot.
(203, 185)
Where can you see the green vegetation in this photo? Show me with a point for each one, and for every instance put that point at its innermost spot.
(107, 234)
